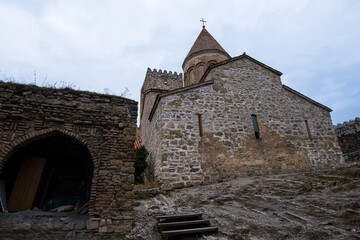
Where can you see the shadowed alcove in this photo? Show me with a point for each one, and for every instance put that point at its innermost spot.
(48, 173)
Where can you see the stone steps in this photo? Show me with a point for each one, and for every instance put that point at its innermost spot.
(189, 225)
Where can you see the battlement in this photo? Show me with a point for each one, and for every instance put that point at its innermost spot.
(160, 73)
(348, 128)
(161, 80)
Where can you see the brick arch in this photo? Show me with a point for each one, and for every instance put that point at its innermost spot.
(10, 149)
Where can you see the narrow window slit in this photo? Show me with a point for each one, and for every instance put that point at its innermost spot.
(200, 125)
(308, 129)
(255, 125)
(201, 71)
(192, 77)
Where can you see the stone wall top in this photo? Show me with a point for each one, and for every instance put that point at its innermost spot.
(10, 88)
(162, 80)
(347, 128)
(160, 73)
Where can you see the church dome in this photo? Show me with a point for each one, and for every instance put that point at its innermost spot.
(204, 52)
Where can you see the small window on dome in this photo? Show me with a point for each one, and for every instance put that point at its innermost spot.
(192, 77)
(201, 71)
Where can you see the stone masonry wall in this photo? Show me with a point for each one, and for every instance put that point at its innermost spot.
(228, 146)
(349, 138)
(159, 80)
(155, 82)
(105, 124)
(203, 60)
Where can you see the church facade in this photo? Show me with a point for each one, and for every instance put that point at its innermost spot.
(228, 117)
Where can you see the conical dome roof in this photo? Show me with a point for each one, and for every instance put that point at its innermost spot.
(205, 43)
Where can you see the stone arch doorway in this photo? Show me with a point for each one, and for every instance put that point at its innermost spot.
(47, 172)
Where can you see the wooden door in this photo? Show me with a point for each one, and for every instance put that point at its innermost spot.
(26, 185)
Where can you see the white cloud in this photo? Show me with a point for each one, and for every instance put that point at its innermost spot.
(110, 43)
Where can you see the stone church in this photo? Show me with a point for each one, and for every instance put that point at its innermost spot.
(227, 117)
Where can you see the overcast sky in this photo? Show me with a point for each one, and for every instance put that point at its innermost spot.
(109, 44)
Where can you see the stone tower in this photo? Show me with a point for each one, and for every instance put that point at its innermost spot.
(155, 83)
(205, 52)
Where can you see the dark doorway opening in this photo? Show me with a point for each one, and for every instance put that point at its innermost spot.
(48, 173)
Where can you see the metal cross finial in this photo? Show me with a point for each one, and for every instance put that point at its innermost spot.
(203, 22)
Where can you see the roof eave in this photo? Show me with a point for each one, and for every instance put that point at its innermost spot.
(307, 98)
(235, 59)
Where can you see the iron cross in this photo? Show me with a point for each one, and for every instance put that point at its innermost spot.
(203, 22)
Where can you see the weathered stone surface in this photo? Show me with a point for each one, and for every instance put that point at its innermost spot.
(178, 185)
(80, 225)
(227, 147)
(155, 82)
(92, 224)
(147, 193)
(22, 226)
(103, 229)
(349, 139)
(128, 187)
(64, 225)
(104, 124)
(318, 204)
(116, 162)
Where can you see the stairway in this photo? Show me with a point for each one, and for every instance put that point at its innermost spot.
(180, 226)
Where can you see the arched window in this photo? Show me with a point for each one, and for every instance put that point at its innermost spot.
(212, 62)
(191, 77)
(201, 70)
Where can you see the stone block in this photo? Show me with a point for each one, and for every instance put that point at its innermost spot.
(128, 169)
(103, 229)
(166, 187)
(102, 222)
(23, 226)
(103, 172)
(129, 131)
(79, 225)
(131, 138)
(116, 162)
(178, 185)
(90, 225)
(129, 194)
(127, 187)
(116, 178)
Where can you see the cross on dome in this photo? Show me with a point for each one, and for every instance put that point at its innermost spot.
(203, 22)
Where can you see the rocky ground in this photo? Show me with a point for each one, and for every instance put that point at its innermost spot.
(321, 204)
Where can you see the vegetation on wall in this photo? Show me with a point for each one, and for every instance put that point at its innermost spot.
(140, 164)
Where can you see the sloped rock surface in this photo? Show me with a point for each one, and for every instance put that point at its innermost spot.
(312, 205)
